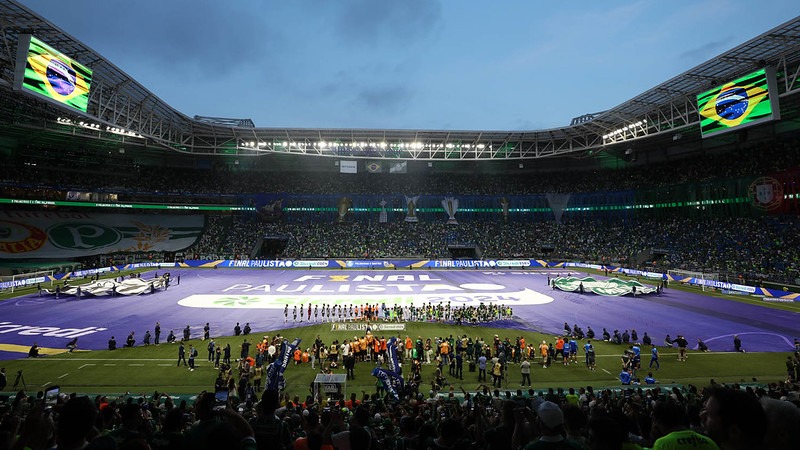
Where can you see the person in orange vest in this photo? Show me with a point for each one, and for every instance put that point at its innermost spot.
(376, 349)
(370, 346)
(560, 347)
(297, 355)
(304, 356)
(409, 345)
(383, 347)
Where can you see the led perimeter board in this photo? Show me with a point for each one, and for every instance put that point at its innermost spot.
(49, 74)
(745, 101)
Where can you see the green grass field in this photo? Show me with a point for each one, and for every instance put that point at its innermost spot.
(146, 369)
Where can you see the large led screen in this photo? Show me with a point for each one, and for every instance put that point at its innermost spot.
(46, 72)
(745, 101)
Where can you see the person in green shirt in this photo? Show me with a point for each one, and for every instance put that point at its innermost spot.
(671, 429)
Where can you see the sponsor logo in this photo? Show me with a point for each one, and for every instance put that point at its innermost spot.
(18, 237)
(363, 326)
(366, 264)
(309, 263)
(723, 285)
(464, 263)
(777, 299)
(330, 388)
(83, 273)
(28, 330)
(25, 282)
(513, 263)
(257, 263)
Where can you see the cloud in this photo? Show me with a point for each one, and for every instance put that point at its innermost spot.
(706, 51)
(371, 22)
(201, 39)
(383, 99)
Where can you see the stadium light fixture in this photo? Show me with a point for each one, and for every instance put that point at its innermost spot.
(628, 131)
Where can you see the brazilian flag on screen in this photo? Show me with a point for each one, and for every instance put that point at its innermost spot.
(740, 102)
(52, 74)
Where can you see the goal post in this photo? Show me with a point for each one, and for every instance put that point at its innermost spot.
(677, 273)
(26, 279)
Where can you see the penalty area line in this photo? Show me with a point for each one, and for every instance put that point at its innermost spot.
(62, 376)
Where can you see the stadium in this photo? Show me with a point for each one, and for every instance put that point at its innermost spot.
(319, 264)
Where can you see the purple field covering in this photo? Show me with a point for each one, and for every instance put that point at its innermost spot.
(98, 318)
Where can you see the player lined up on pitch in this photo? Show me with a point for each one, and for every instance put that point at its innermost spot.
(428, 312)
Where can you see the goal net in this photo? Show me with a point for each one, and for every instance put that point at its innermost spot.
(682, 274)
(21, 280)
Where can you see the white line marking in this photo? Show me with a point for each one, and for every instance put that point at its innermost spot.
(45, 384)
(102, 359)
(164, 365)
(604, 370)
(107, 365)
(86, 365)
(62, 376)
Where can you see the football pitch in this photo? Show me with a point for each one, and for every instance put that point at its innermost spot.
(223, 298)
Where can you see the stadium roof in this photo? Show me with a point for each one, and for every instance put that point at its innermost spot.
(122, 110)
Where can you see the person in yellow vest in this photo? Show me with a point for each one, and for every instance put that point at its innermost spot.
(444, 349)
(333, 353)
(362, 348)
(258, 373)
(543, 349)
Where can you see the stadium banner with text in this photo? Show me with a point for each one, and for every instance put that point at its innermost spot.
(492, 266)
(26, 234)
(369, 264)
(362, 326)
(348, 166)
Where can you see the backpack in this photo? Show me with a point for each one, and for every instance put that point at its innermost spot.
(194, 352)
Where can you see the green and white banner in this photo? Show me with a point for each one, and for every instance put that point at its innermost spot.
(611, 286)
(40, 234)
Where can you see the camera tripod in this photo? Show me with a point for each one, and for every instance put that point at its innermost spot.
(20, 379)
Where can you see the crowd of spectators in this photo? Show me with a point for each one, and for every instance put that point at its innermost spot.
(741, 248)
(766, 248)
(50, 178)
(717, 416)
